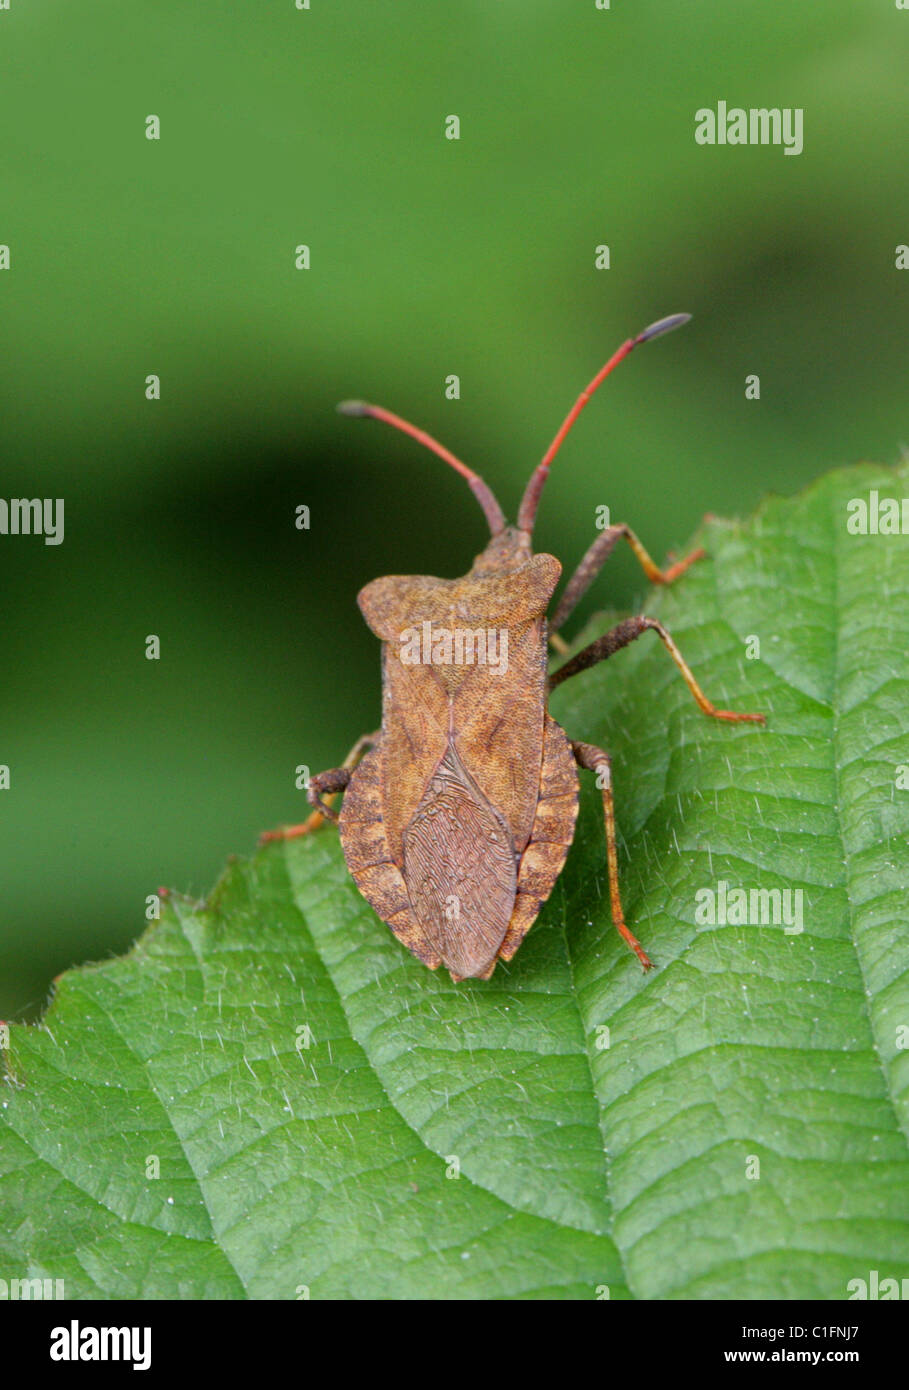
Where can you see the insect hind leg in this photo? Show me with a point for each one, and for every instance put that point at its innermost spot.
(596, 760)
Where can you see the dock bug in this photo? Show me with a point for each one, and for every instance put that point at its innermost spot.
(457, 821)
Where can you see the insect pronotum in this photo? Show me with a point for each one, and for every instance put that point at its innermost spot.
(456, 822)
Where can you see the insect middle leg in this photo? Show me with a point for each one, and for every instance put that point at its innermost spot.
(326, 784)
(596, 557)
(595, 760)
(628, 631)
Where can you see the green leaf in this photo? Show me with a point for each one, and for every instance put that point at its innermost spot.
(331, 1166)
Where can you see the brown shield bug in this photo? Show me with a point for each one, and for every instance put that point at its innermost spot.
(456, 823)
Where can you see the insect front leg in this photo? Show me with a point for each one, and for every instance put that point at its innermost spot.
(594, 560)
(628, 631)
(326, 784)
(587, 755)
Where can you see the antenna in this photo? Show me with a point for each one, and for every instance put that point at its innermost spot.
(531, 499)
(484, 495)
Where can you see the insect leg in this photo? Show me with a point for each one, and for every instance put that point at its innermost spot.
(324, 783)
(595, 559)
(595, 760)
(624, 633)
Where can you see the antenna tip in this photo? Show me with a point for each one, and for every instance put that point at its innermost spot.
(666, 325)
(353, 408)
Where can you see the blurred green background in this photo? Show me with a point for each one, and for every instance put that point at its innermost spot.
(325, 126)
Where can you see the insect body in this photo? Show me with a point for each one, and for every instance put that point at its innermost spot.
(456, 823)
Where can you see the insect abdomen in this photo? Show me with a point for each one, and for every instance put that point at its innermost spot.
(460, 870)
